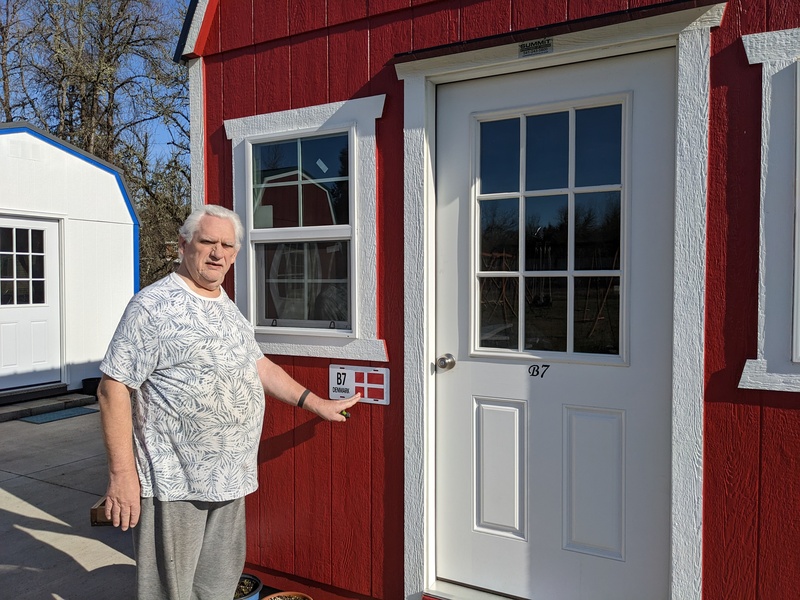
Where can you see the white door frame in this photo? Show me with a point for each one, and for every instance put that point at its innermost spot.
(689, 32)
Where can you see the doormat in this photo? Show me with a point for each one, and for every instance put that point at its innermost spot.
(59, 414)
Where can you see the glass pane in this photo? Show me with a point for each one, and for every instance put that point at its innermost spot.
(23, 267)
(6, 292)
(38, 292)
(326, 203)
(325, 157)
(37, 267)
(23, 292)
(597, 231)
(6, 266)
(597, 315)
(546, 233)
(37, 241)
(546, 313)
(307, 284)
(547, 151)
(499, 317)
(274, 160)
(499, 244)
(276, 207)
(598, 145)
(22, 240)
(6, 239)
(499, 161)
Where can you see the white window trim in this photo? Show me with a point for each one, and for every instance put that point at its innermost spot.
(357, 116)
(689, 31)
(777, 362)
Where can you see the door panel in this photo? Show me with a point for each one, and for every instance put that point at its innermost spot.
(30, 328)
(554, 255)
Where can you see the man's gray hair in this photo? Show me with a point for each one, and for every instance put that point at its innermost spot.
(192, 222)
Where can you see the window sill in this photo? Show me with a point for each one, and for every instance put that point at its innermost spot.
(345, 348)
(756, 376)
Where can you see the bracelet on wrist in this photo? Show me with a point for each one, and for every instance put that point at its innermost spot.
(303, 397)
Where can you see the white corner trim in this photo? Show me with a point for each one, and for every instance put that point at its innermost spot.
(358, 116)
(197, 133)
(689, 31)
(194, 28)
(777, 337)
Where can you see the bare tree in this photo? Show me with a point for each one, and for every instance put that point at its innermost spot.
(99, 74)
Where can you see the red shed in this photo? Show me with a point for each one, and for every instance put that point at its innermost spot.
(555, 244)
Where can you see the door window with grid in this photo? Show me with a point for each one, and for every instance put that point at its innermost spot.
(549, 249)
(22, 280)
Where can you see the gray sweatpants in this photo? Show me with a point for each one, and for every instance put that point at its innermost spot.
(188, 550)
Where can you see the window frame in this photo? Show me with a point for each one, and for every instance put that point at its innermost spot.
(357, 117)
(777, 362)
(622, 358)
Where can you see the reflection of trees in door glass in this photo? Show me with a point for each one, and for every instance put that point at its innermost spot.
(570, 217)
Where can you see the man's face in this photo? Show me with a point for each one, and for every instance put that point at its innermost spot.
(207, 258)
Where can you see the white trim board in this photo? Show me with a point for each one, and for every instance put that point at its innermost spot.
(777, 363)
(357, 116)
(687, 30)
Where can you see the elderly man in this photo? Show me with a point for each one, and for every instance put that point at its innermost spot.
(182, 402)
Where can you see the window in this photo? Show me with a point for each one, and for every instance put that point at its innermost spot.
(305, 190)
(549, 220)
(21, 266)
(777, 364)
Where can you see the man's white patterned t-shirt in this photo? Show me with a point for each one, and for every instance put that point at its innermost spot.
(198, 403)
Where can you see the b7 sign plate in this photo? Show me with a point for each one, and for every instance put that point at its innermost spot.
(348, 380)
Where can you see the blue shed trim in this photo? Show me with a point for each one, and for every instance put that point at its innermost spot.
(24, 127)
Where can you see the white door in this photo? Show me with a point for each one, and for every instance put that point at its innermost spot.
(30, 328)
(554, 250)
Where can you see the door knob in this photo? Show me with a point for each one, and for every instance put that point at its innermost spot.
(446, 362)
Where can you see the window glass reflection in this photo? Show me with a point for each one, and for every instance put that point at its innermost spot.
(307, 284)
(499, 244)
(546, 313)
(276, 207)
(499, 320)
(324, 157)
(37, 241)
(6, 239)
(499, 156)
(597, 315)
(274, 160)
(326, 203)
(547, 151)
(546, 233)
(598, 145)
(597, 230)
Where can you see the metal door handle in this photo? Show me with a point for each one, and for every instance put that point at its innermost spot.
(446, 362)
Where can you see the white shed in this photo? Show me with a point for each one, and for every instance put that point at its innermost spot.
(69, 259)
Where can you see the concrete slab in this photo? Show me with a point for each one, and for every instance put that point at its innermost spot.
(50, 475)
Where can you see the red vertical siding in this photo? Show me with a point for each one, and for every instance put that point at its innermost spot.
(309, 70)
(732, 417)
(328, 516)
(236, 23)
(525, 15)
(348, 61)
(270, 20)
(344, 12)
(273, 78)
(275, 497)
(482, 19)
(436, 25)
(312, 482)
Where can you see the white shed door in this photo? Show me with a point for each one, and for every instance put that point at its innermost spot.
(30, 328)
(554, 250)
